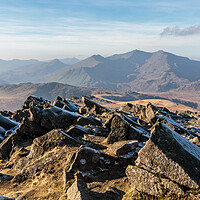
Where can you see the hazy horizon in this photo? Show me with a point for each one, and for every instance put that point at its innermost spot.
(80, 28)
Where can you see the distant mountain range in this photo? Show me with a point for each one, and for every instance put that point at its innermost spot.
(133, 71)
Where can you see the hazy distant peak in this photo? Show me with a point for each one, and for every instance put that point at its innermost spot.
(56, 61)
(128, 55)
(98, 57)
(69, 61)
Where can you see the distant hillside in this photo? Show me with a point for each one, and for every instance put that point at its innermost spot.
(135, 70)
(13, 95)
(36, 72)
(6, 65)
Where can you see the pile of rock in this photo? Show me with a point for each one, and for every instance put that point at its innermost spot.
(149, 150)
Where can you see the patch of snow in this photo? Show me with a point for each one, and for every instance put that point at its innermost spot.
(82, 161)
(66, 135)
(187, 145)
(94, 150)
(132, 142)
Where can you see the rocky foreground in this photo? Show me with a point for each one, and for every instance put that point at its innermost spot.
(58, 150)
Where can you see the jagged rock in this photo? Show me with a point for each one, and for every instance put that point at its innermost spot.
(122, 147)
(94, 107)
(149, 113)
(76, 131)
(87, 121)
(112, 190)
(8, 144)
(58, 118)
(34, 166)
(49, 141)
(6, 123)
(6, 113)
(148, 183)
(78, 190)
(170, 155)
(119, 130)
(88, 159)
(35, 114)
(137, 133)
(5, 177)
(34, 101)
(31, 129)
(127, 107)
(93, 138)
(19, 115)
(2, 131)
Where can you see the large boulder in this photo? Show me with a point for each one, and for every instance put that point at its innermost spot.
(8, 144)
(94, 107)
(148, 183)
(49, 141)
(78, 190)
(31, 129)
(121, 130)
(148, 114)
(123, 147)
(170, 155)
(7, 123)
(58, 118)
(87, 159)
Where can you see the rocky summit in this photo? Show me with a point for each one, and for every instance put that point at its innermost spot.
(61, 150)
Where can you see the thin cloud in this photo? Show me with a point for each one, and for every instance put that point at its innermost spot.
(176, 31)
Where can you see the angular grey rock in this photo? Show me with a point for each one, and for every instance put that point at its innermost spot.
(78, 190)
(5, 177)
(122, 147)
(119, 130)
(8, 144)
(93, 106)
(76, 131)
(49, 141)
(58, 118)
(148, 183)
(170, 155)
(149, 113)
(88, 159)
(6, 123)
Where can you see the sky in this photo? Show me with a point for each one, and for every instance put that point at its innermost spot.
(47, 29)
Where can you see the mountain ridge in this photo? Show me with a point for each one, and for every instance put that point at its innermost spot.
(136, 70)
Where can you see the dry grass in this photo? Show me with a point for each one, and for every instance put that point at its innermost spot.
(157, 102)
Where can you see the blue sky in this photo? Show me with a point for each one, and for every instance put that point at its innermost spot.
(48, 29)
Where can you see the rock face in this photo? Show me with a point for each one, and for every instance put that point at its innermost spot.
(151, 184)
(86, 159)
(94, 107)
(57, 150)
(78, 190)
(49, 141)
(170, 155)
